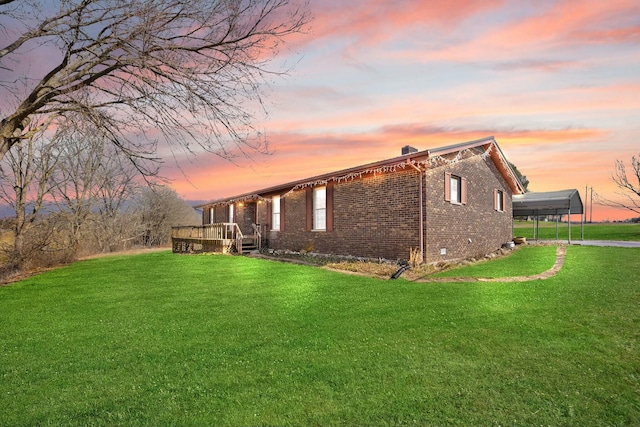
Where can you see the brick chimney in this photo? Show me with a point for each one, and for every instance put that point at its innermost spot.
(407, 149)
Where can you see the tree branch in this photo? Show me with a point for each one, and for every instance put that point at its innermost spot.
(189, 68)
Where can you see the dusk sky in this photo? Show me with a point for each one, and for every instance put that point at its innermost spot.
(557, 83)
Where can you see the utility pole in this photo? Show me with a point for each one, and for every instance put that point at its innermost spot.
(586, 202)
(591, 209)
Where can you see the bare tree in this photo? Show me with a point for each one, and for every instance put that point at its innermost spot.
(92, 183)
(116, 187)
(190, 72)
(629, 184)
(24, 183)
(160, 208)
(76, 179)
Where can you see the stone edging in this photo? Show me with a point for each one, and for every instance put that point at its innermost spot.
(561, 252)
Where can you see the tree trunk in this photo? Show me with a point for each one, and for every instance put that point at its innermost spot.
(18, 230)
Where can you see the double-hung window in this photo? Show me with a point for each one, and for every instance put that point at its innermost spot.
(455, 189)
(275, 213)
(320, 208)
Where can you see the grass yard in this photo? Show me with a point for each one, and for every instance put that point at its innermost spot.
(162, 339)
(610, 231)
(525, 261)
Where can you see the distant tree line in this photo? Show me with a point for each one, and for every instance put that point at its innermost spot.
(76, 195)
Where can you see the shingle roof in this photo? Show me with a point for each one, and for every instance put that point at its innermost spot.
(496, 154)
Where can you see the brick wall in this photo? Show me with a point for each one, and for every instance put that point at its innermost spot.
(245, 215)
(470, 230)
(377, 216)
(220, 214)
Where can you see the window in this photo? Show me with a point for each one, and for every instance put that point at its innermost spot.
(231, 216)
(320, 208)
(455, 189)
(211, 216)
(275, 213)
(499, 200)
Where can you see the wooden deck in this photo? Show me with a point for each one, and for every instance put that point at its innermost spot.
(223, 237)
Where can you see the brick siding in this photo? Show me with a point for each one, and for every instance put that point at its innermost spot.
(469, 230)
(377, 216)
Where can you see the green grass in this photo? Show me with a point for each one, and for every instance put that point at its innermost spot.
(524, 261)
(547, 231)
(161, 339)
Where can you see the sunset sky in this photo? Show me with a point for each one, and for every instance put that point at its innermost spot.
(556, 82)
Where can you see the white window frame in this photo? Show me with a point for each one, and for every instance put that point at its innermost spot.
(211, 215)
(275, 213)
(456, 189)
(231, 213)
(320, 208)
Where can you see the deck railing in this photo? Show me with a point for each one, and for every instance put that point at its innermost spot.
(219, 231)
(224, 231)
(257, 231)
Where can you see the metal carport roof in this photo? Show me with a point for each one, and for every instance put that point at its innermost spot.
(561, 202)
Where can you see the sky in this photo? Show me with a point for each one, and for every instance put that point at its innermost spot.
(557, 83)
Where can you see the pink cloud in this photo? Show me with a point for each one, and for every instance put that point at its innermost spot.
(552, 159)
(565, 24)
(367, 23)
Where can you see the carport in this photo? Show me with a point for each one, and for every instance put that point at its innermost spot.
(557, 203)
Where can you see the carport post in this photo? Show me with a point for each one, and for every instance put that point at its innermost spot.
(569, 222)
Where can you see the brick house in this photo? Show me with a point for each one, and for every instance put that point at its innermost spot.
(447, 203)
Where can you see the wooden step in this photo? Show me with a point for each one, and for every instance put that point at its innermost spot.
(249, 245)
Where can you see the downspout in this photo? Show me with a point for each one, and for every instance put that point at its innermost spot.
(420, 201)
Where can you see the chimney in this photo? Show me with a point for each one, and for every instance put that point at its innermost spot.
(407, 149)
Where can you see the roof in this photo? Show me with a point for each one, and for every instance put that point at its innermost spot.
(424, 157)
(547, 203)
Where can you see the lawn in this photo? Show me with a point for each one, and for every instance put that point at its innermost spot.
(524, 261)
(163, 339)
(607, 231)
